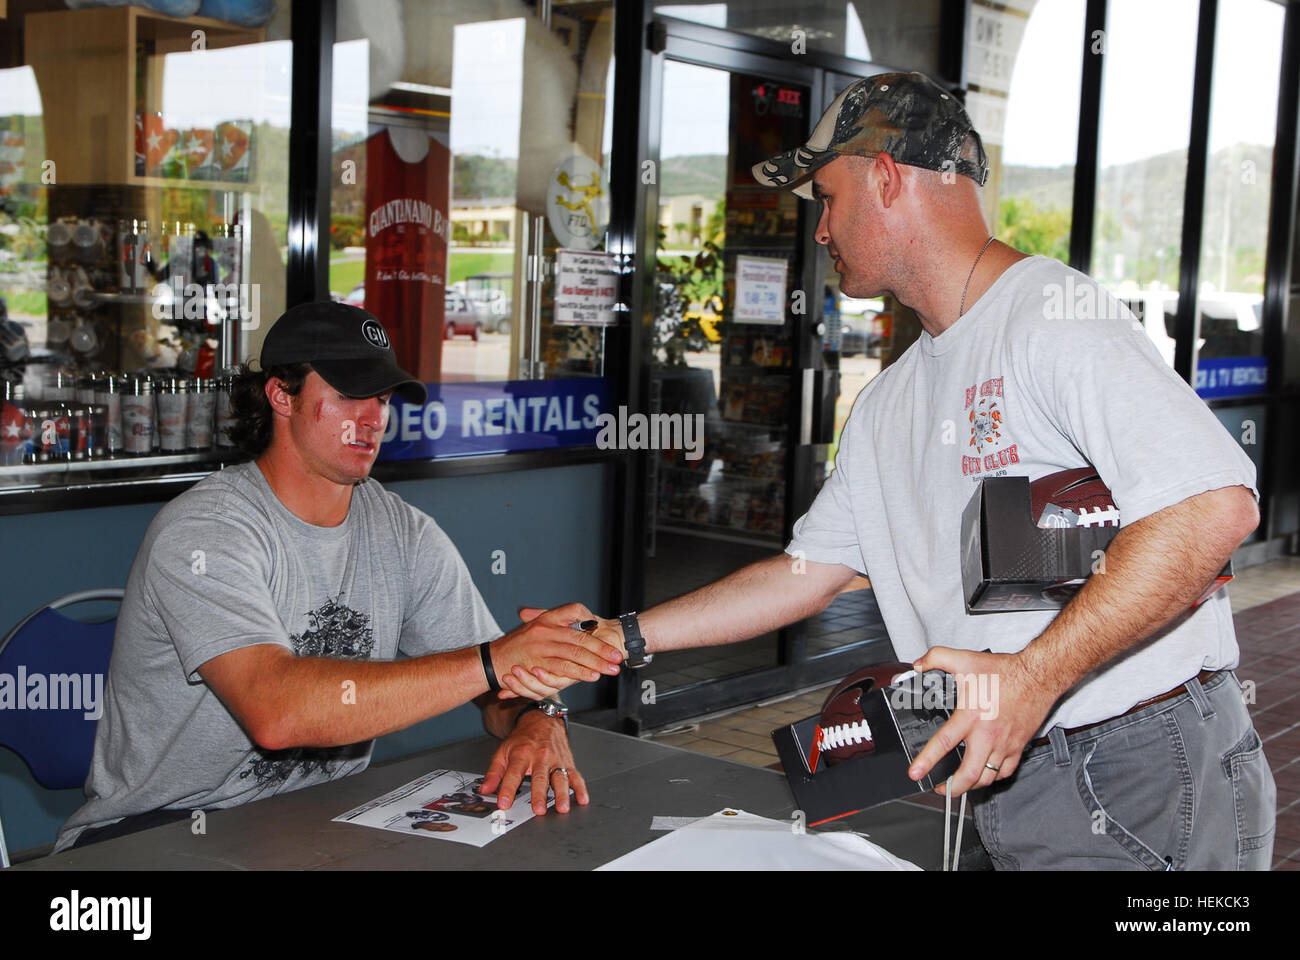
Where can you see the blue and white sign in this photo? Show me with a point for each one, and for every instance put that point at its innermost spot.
(496, 417)
(760, 290)
(1231, 376)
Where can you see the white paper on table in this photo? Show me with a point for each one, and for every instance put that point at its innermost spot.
(736, 840)
(445, 804)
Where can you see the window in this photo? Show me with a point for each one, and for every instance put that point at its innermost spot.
(472, 151)
(143, 212)
(1032, 161)
(1234, 232)
(1145, 118)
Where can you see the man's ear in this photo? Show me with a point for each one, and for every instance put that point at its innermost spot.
(281, 402)
(890, 179)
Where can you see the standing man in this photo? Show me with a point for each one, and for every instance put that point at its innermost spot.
(257, 645)
(1120, 739)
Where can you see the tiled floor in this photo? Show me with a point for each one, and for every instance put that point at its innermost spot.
(1266, 607)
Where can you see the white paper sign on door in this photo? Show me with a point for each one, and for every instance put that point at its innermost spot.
(760, 290)
(586, 288)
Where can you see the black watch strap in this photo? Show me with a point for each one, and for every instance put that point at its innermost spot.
(484, 651)
(634, 642)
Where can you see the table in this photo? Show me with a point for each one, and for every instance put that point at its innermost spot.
(631, 781)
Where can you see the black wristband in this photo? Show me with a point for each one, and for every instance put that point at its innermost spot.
(485, 652)
(634, 642)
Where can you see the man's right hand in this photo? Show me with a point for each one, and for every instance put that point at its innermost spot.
(532, 682)
(547, 641)
(755, 599)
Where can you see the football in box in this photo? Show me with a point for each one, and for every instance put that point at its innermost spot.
(856, 752)
(1032, 546)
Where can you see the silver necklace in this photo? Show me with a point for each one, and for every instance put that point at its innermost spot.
(962, 309)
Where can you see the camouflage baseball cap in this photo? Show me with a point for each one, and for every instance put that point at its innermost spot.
(906, 115)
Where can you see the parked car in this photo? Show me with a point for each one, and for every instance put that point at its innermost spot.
(356, 296)
(860, 333)
(494, 311)
(461, 318)
(861, 330)
(488, 292)
(1229, 323)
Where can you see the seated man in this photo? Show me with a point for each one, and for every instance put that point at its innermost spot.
(256, 645)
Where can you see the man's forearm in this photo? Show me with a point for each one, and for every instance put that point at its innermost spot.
(500, 716)
(1154, 570)
(763, 596)
(324, 702)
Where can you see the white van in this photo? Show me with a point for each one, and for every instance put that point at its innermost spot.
(1230, 323)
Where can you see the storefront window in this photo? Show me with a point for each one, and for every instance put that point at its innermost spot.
(1031, 159)
(900, 33)
(143, 212)
(1234, 234)
(469, 214)
(1146, 112)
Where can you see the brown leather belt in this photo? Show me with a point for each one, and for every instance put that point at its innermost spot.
(1203, 677)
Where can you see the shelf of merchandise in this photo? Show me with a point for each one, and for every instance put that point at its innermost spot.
(86, 68)
(175, 183)
(25, 477)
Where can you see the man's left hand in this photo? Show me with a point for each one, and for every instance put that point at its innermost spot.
(538, 748)
(999, 707)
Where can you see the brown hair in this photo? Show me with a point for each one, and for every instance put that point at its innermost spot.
(250, 407)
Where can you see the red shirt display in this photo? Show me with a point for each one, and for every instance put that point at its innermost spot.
(408, 232)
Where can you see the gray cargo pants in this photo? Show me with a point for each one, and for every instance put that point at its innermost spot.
(1181, 785)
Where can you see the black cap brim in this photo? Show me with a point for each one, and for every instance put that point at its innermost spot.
(369, 378)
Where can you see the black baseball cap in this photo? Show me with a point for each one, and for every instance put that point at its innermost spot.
(346, 345)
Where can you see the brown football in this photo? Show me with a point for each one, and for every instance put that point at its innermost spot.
(1072, 498)
(845, 733)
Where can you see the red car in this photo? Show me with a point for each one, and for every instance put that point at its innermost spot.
(461, 317)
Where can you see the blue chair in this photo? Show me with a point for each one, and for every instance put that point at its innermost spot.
(52, 675)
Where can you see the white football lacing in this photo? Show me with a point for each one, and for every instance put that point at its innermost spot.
(844, 734)
(1099, 517)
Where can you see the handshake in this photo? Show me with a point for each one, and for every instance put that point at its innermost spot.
(553, 649)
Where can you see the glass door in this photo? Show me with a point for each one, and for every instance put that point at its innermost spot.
(727, 267)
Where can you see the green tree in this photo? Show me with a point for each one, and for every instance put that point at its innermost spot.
(478, 177)
(715, 227)
(1030, 230)
(681, 281)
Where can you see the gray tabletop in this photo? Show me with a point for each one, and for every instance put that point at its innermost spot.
(631, 781)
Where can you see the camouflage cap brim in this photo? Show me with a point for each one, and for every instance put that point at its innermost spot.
(793, 170)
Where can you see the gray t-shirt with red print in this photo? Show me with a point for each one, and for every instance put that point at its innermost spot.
(224, 566)
(1014, 389)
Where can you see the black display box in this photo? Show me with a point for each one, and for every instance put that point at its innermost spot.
(902, 720)
(1010, 563)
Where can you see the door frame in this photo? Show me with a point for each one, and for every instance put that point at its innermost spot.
(670, 39)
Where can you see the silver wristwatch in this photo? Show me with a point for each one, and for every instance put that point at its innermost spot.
(551, 706)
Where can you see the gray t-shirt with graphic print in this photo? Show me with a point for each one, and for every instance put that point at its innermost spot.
(1046, 372)
(224, 566)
